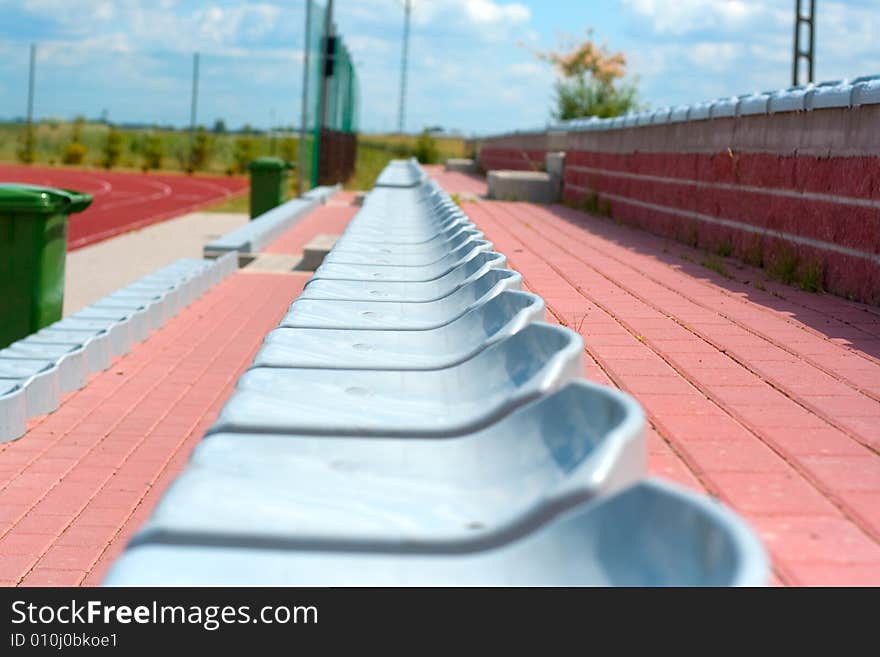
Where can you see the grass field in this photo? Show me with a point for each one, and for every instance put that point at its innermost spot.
(51, 138)
(375, 151)
(223, 150)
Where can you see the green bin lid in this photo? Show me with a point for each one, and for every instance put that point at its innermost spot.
(268, 164)
(41, 200)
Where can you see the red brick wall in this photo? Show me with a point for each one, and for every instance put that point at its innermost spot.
(796, 192)
(797, 211)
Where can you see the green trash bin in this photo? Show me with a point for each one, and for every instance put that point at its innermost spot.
(268, 184)
(33, 249)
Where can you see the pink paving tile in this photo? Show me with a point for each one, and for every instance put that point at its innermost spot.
(817, 539)
(458, 183)
(817, 441)
(825, 574)
(849, 473)
(747, 455)
(864, 505)
(66, 513)
(783, 492)
(754, 354)
(331, 218)
(669, 466)
(40, 576)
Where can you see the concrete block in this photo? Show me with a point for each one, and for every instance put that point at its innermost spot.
(554, 163)
(316, 250)
(531, 186)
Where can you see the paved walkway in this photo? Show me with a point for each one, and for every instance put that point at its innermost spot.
(83, 479)
(97, 270)
(331, 218)
(463, 184)
(762, 395)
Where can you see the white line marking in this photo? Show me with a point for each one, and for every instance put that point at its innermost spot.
(806, 241)
(771, 191)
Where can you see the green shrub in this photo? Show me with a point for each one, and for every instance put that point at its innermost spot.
(243, 152)
(153, 151)
(784, 265)
(74, 153)
(289, 149)
(200, 154)
(811, 275)
(426, 150)
(27, 152)
(591, 203)
(715, 264)
(113, 148)
(725, 249)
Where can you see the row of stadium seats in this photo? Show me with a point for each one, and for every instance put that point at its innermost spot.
(864, 90)
(413, 421)
(37, 370)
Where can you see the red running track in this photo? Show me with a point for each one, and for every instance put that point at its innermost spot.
(126, 201)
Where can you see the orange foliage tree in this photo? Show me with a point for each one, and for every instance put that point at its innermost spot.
(591, 80)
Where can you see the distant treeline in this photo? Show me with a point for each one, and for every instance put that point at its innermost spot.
(132, 146)
(216, 150)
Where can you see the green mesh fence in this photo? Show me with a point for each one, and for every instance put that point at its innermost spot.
(316, 16)
(340, 101)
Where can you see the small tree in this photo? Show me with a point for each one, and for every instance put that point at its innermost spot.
(113, 147)
(289, 149)
(219, 127)
(153, 152)
(591, 81)
(75, 151)
(426, 150)
(244, 150)
(27, 152)
(200, 154)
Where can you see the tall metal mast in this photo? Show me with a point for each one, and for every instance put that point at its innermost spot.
(804, 52)
(401, 112)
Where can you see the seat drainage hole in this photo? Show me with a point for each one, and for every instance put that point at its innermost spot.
(475, 525)
(362, 346)
(370, 313)
(377, 275)
(357, 391)
(378, 293)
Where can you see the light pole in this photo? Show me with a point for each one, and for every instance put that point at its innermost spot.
(401, 112)
(31, 75)
(193, 107)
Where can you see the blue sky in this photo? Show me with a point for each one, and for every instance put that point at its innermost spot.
(472, 67)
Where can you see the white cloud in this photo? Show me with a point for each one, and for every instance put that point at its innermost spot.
(687, 16)
(486, 12)
(484, 20)
(693, 50)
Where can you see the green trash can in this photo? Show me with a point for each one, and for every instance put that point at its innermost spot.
(268, 184)
(33, 249)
